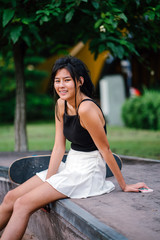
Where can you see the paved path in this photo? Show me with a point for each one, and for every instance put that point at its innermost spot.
(135, 215)
(6, 158)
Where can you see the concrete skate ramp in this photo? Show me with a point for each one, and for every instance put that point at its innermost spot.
(66, 221)
(117, 215)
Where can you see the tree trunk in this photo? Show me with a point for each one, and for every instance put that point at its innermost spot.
(20, 111)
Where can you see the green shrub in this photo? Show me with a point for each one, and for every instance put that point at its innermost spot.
(142, 112)
(39, 106)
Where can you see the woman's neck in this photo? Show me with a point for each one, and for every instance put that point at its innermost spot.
(73, 105)
(79, 97)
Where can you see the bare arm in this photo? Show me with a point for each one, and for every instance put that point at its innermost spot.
(59, 145)
(91, 119)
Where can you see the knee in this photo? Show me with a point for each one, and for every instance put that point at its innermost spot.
(20, 206)
(9, 198)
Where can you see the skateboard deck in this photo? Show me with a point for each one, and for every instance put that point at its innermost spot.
(24, 168)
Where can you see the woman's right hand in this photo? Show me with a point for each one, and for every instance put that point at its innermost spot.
(135, 187)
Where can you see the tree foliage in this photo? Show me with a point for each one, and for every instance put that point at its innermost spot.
(121, 26)
(39, 105)
(125, 26)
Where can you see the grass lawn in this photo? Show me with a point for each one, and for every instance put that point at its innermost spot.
(40, 137)
(133, 142)
(125, 141)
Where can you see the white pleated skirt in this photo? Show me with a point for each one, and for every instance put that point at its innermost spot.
(82, 175)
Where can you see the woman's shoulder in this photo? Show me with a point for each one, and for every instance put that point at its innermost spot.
(86, 106)
(90, 111)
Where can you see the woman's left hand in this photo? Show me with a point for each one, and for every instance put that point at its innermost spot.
(135, 187)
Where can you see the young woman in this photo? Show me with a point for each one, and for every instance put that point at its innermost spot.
(79, 119)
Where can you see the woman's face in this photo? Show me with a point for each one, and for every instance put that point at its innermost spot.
(64, 85)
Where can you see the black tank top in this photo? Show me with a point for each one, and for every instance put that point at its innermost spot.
(78, 136)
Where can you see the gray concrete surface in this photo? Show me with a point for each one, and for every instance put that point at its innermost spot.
(134, 215)
(28, 236)
(6, 158)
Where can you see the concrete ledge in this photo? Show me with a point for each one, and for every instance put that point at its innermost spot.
(135, 159)
(66, 220)
(85, 222)
(4, 172)
(117, 210)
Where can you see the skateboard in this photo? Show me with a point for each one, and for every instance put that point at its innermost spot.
(24, 168)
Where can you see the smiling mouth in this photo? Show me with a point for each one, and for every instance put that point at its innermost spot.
(63, 92)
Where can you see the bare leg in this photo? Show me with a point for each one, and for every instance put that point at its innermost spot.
(25, 206)
(6, 207)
